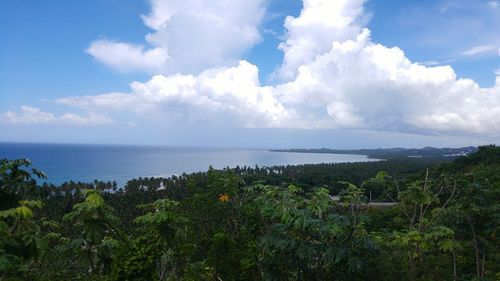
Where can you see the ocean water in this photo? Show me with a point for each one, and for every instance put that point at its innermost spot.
(85, 163)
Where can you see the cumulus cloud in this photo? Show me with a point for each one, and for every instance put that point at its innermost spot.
(479, 50)
(128, 57)
(333, 76)
(28, 115)
(188, 36)
(379, 88)
(228, 93)
(32, 115)
(320, 23)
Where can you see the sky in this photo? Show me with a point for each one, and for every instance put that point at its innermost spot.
(260, 73)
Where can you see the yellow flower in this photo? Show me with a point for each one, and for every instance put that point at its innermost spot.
(224, 197)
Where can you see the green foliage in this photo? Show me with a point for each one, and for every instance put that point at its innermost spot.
(311, 237)
(136, 260)
(93, 217)
(308, 222)
(21, 242)
(98, 226)
(16, 182)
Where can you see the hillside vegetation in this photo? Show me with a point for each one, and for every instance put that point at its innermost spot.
(308, 222)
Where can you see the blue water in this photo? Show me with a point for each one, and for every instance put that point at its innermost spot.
(85, 163)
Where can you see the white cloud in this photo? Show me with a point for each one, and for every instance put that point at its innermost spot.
(28, 115)
(479, 50)
(189, 36)
(320, 23)
(128, 57)
(493, 4)
(228, 93)
(32, 115)
(334, 76)
(90, 120)
(379, 88)
(436, 63)
(430, 63)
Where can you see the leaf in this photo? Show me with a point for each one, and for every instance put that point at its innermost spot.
(24, 212)
(447, 245)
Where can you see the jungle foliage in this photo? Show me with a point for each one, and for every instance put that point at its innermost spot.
(307, 222)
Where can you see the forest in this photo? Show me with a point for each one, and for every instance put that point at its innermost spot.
(306, 222)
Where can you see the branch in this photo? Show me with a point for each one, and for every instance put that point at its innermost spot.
(436, 196)
(402, 204)
(421, 214)
(433, 220)
(368, 204)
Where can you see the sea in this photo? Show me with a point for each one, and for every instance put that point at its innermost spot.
(120, 163)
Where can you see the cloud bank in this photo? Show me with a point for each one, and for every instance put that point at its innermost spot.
(333, 75)
(31, 115)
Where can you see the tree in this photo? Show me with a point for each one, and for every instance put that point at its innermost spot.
(99, 229)
(421, 203)
(311, 237)
(17, 182)
(21, 241)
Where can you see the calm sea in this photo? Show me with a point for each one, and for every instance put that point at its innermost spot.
(85, 163)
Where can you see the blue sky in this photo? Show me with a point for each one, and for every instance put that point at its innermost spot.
(400, 73)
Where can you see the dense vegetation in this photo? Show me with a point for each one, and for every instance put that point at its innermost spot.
(308, 222)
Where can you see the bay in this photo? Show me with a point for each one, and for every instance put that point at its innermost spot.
(120, 163)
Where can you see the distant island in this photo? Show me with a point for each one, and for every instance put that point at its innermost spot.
(392, 153)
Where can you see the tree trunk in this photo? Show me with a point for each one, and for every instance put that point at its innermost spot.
(454, 265)
(412, 268)
(91, 260)
(476, 248)
(483, 261)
